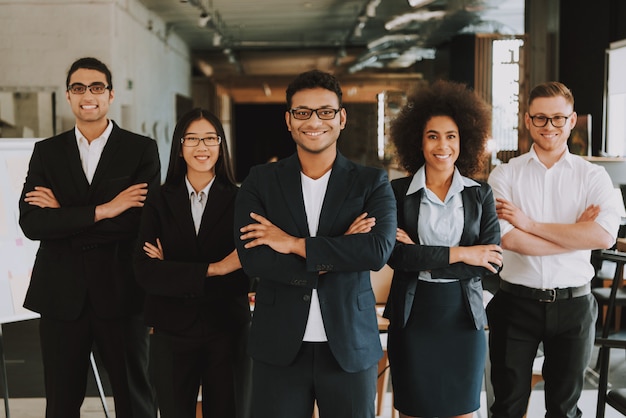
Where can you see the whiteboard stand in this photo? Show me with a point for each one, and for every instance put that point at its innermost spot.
(3, 374)
(96, 375)
(5, 383)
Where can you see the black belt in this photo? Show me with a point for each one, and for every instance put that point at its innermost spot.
(545, 295)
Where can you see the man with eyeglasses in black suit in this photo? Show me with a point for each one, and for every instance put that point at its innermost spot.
(311, 227)
(82, 200)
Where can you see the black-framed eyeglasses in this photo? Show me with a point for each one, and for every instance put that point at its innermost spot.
(209, 141)
(557, 121)
(95, 88)
(324, 113)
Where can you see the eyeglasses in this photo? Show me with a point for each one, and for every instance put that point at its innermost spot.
(209, 141)
(557, 121)
(323, 113)
(95, 88)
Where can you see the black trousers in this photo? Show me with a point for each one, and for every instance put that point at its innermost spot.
(290, 392)
(516, 327)
(65, 348)
(142, 396)
(179, 365)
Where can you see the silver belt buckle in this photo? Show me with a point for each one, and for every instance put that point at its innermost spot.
(552, 295)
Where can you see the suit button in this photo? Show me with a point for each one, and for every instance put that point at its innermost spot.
(306, 298)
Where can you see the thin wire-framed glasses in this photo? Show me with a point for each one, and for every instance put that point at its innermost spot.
(323, 113)
(95, 88)
(209, 141)
(557, 121)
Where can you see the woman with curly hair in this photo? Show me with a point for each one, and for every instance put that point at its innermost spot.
(447, 239)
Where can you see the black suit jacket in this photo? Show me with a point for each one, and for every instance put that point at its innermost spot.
(79, 259)
(480, 227)
(178, 293)
(286, 281)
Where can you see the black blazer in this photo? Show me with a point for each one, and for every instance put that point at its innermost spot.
(286, 281)
(480, 227)
(178, 292)
(79, 259)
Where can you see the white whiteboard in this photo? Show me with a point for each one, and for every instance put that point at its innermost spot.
(17, 253)
(615, 96)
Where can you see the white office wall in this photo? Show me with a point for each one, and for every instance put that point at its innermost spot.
(150, 63)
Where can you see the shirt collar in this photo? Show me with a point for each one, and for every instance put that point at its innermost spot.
(459, 182)
(566, 158)
(191, 192)
(105, 134)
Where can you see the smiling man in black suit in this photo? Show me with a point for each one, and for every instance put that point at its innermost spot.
(82, 199)
(311, 227)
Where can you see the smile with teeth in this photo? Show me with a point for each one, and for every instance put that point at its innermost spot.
(88, 107)
(314, 133)
(442, 156)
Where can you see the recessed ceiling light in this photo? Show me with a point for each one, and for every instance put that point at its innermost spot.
(419, 3)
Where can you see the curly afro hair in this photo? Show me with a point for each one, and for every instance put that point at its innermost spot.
(471, 114)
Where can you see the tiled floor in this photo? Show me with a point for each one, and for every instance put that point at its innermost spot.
(36, 407)
(92, 408)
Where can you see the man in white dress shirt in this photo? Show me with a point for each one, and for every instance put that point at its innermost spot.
(554, 208)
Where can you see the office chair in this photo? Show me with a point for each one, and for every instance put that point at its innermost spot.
(616, 398)
(381, 284)
(612, 298)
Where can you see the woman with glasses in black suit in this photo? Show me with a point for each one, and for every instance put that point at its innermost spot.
(196, 291)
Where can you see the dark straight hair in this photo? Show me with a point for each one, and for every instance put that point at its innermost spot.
(177, 167)
(89, 63)
(314, 79)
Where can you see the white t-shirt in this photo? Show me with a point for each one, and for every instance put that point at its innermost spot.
(313, 192)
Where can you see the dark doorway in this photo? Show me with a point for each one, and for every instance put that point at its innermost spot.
(260, 134)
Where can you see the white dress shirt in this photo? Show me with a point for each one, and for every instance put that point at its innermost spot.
(440, 223)
(558, 194)
(90, 153)
(198, 202)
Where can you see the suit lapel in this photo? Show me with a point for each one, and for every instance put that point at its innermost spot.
(340, 180)
(73, 161)
(108, 156)
(411, 207)
(288, 173)
(470, 213)
(219, 200)
(177, 199)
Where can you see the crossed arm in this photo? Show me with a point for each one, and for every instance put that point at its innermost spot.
(132, 197)
(263, 233)
(476, 255)
(226, 265)
(537, 238)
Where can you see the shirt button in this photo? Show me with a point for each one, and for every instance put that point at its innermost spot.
(306, 298)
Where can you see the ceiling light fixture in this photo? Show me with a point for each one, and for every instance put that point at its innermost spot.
(266, 90)
(419, 3)
(217, 39)
(358, 29)
(370, 9)
(401, 21)
(204, 19)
